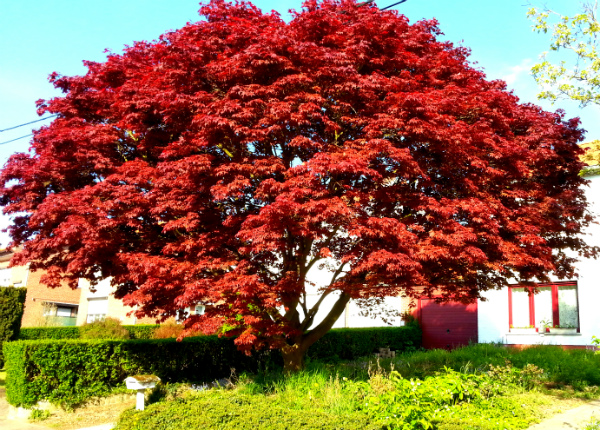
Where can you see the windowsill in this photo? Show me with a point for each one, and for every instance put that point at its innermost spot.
(543, 334)
(562, 334)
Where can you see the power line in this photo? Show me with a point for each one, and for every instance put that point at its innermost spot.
(392, 5)
(27, 123)
(18, 138)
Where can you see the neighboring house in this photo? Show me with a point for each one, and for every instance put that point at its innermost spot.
(100, 304)
(513, 316)
(43, 305)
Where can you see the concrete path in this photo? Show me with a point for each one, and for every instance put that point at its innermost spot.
(572, 419)
(6, 424)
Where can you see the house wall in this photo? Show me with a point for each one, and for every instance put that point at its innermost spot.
(387, 314)
(493, 313)
(114, 307)
(11, 276)
(38, 293)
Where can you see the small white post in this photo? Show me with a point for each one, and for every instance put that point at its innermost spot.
(139, 399)
(141, 383)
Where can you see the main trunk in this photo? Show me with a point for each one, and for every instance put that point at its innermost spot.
(293, 357)
(293, 354)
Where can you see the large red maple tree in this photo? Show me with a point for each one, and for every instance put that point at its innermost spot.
(222, 162)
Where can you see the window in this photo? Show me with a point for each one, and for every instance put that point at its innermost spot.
(97, 309)
(5, 277)
(555, 304)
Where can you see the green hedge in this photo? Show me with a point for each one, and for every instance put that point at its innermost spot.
(32, 333)
(12, 301)
(350, 343)
(66, 372)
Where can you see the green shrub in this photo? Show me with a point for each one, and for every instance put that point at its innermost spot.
(351, 343)
(108, 328)
(31, 333)
(227, 410)
(67, 372)
(142, 331)
(11, 310)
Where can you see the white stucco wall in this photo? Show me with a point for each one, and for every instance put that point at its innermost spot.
(493, 314)
(352, 315)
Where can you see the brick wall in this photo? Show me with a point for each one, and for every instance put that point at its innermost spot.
(38, 293)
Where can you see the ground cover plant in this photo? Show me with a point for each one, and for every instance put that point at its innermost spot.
(499, 388)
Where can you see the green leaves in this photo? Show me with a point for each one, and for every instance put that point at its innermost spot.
(577, 78)
(12, 302)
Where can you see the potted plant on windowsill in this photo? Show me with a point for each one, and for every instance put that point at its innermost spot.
(523, 330)
(563, 329)
(544, 326)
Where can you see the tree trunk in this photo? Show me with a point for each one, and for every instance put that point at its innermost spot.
(293, 358)
(293, 355)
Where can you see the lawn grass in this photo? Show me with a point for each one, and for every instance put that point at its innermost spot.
(433, 389)
(2, 378)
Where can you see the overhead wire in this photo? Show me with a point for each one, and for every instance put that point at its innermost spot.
(18, 138)
(27, 123)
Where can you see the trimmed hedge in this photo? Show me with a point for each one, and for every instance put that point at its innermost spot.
(32, 333)
(67, 372)
(350, 343)
(12, 301)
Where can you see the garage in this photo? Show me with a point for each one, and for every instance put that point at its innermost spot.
(447, 325)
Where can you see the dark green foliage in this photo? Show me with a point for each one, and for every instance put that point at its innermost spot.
(11, 310)
(350, 343)
(66, 372)
(108, 328)
(31, 333)
(236, 411)
(141, 331)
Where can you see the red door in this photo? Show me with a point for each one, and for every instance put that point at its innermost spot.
(447, 325)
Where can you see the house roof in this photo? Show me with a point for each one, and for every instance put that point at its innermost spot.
(591, 158)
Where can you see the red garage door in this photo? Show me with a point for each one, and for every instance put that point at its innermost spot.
(447, 325)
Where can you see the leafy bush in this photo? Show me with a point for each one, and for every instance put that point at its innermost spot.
(350, 343)
(236, 411)
(31, 333)
(142, 331)
(108, 328)
(67, 372)
(168, 329)
(11, 310)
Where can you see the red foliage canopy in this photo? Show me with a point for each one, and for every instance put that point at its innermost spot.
(221, 162)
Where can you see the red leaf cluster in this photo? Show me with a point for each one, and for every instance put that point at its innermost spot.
(222, 162)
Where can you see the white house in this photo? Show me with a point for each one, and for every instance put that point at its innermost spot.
(572, 303)
(514, 316)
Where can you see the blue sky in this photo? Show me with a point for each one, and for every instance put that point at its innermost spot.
(38, 37)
